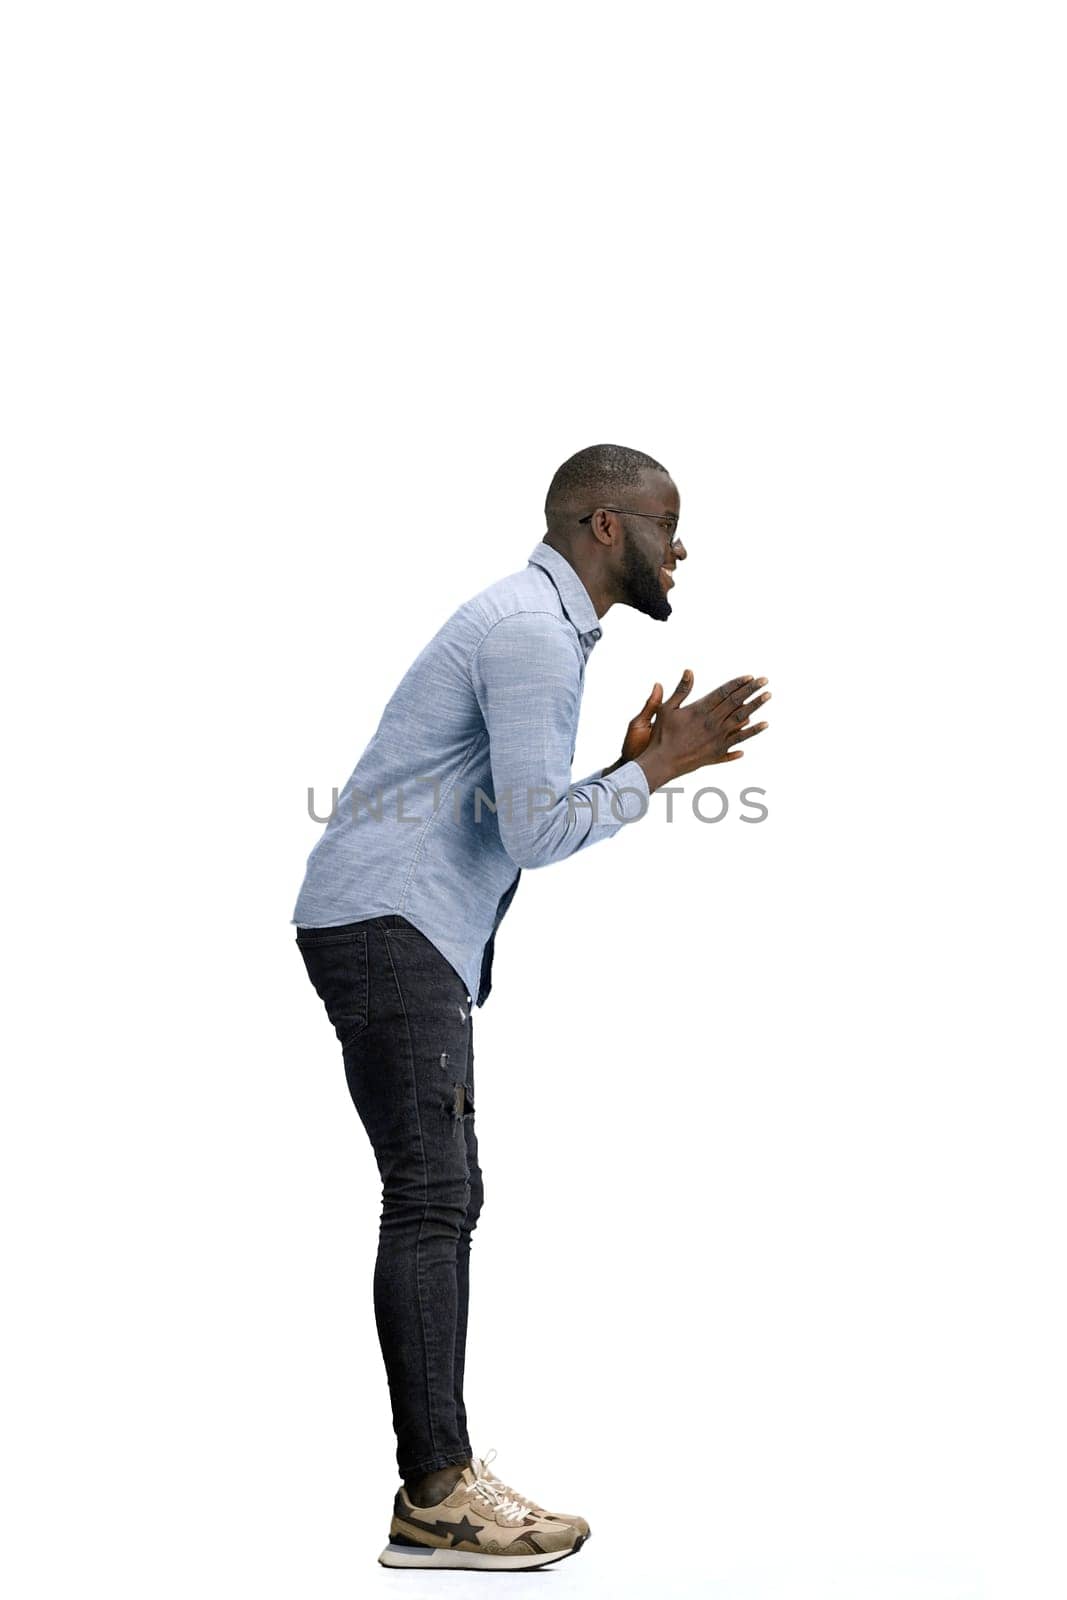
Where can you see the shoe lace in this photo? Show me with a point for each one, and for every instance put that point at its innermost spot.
(513, 1507)
(503, 1493)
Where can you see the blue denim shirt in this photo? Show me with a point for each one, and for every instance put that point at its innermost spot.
(467, 779)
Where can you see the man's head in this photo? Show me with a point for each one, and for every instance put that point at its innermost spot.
(613, 512)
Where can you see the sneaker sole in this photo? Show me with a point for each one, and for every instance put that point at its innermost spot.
(407, 1555)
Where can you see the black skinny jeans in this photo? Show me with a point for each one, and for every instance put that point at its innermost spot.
(404, 1019)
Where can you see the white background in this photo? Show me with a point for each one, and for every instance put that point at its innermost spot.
(303, 307)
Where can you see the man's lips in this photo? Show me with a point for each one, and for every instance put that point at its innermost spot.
(666, 574)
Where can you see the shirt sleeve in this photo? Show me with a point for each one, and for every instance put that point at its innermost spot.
(527, 678)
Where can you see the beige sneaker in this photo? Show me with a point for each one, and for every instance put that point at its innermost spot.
(481, 1466)
(477, 1526)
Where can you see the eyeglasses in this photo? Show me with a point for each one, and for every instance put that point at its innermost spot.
(666, 519)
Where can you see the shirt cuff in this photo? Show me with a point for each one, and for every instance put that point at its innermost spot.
(631, 792)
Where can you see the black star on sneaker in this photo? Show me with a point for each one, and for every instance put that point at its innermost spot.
(460, 1531)
(456, 1531)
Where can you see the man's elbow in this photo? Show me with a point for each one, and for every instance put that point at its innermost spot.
(528, 850)
(527, 856)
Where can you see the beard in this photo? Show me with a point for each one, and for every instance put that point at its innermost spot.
(640, 583)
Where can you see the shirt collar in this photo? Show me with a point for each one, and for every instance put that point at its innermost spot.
(573, 593)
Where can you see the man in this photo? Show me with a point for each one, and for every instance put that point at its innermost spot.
(465, 783)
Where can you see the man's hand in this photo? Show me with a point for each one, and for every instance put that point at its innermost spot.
(639, 728)
(682, 738)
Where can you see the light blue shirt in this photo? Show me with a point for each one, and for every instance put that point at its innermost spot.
(467, 779)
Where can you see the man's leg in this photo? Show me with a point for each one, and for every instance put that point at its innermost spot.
(401, 1014)
(463, 1254)
(414, 1112)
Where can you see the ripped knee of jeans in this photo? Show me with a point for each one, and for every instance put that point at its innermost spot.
(462, 1104)
(462, 1096)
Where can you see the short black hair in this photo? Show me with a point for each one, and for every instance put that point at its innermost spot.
(598, 474)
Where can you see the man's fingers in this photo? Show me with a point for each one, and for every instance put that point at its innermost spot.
(721, 707)
(726, 691)
(731, 693)
(650, 707)
(745, 733)
(737, 696)
(684, 685)
(743, 712)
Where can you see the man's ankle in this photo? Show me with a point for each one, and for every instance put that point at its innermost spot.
(434, 1487)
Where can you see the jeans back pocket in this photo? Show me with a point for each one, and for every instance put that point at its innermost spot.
(336, 962)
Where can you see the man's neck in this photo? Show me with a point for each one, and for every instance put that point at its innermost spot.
(586, 570)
